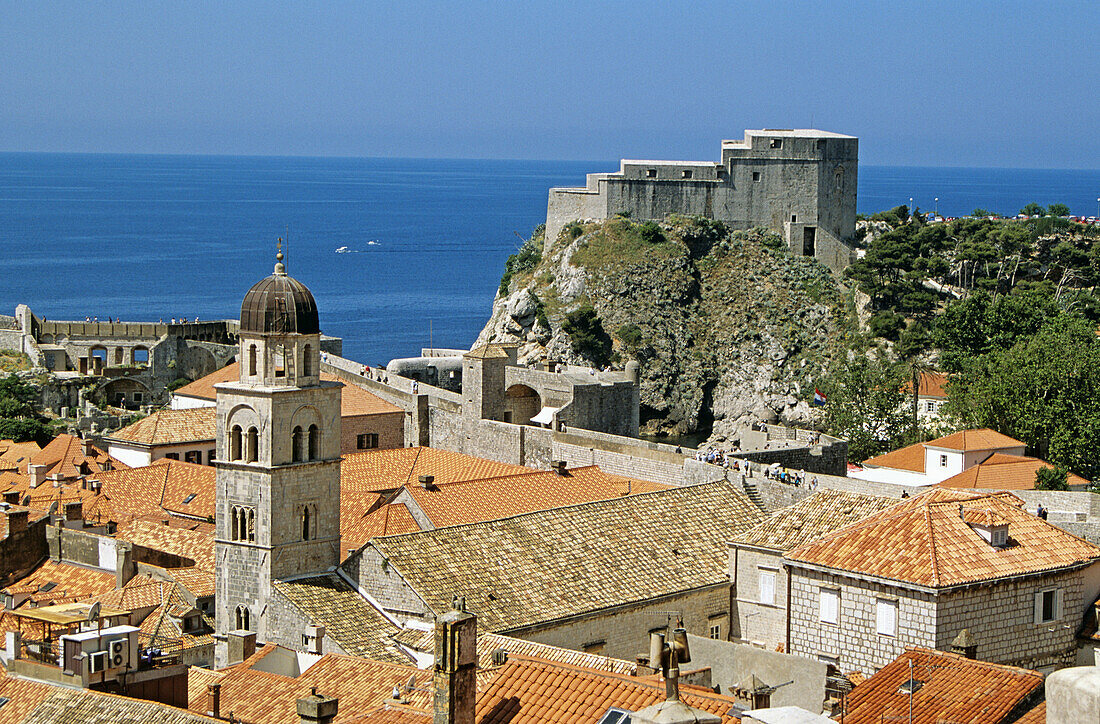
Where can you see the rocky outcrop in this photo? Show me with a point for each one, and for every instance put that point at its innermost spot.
(729, 329)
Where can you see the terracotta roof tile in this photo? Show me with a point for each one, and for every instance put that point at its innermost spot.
(16, 455)
(1038, 715)
(378, 470)
(354, 400)
(152, 491)
(954, 689)
(348, 618)
(809, 519)
(925, 541)
(24, 697)
(85, 706)
(390, 519)
(973, 440)
(1004, 472)
(932, 384)
(910, 457)
(199, 582)
(601, 554)
(169, 427)
(259, 697)
(54, 582)
(64, 456)
(533, 691)
(193, 545)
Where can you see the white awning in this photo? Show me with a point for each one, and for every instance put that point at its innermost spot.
(545, 416)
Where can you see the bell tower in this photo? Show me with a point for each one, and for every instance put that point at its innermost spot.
(278, 456)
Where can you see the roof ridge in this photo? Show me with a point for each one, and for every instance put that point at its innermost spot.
(932, 546)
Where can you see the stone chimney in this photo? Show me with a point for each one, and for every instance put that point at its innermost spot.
(86, 448)
(17, 521)
(242, 644)
(454, 681)
(214, 700)
(11, 497)
(1073, 696)
(74, 510)
(125, 569)
(965, 645)
(37, 474)
(317, 708)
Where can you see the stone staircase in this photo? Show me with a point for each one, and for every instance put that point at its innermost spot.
(754, 495)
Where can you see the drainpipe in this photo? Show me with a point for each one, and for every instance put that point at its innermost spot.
(788, 648)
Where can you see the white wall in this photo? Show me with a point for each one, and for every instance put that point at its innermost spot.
(182, 402)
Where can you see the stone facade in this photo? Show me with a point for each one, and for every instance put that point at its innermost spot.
(1000, 615)
(755, 619)
(798, 183)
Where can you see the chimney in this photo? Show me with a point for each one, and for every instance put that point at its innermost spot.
(17, 521)
(74, 510)
(124, 562)
(214, 700)
(558, 466)
(454, 680)
(86, 448)
(56, 480)
(427, 482)
(11, 497)
(314, 639)
(242, 644)
(965, 645)
(317, 708)
(669, 656)
(37, 473)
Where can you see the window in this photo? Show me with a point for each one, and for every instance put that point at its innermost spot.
(193, 456)
(594, 647)
(305, 523)
(252, 359)
(999, 536)
(1048, 605)
(767, 587)
(716, 631)
(190, 497)
(830, 605)
(686, 173)
(140, 356)
(138, 397)
(280, 361)
(886, 614)
(794, 218)
(307, 362)
(242, 524)
(943, 461)
(756, 177)
(651, 173)
(209, 457)
(235, 443)
(242, 618)
(314, 442)
(615, 716)
(840, 179)
(777, 143)
(172, 456)
(252, 448)
(367, 441)
(296, 445)
(930, 406)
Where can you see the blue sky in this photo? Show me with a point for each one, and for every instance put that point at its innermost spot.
(968, 83)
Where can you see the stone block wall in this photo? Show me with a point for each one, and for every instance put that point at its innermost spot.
(623, 632)
(21, 550)
(285, 623)
(759, 623)
(388, 426)
(378, 579)
(854, 640)
(731, 664)
(828, 458)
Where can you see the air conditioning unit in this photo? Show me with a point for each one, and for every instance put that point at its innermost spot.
(120, 653)
(97, 662)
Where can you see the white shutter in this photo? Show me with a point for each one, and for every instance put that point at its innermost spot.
(829, 605)
(1058, 604)
(767, 587)
(887, 615)
(1039, 607)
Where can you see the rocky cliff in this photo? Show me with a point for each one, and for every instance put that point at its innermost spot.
(728, 328)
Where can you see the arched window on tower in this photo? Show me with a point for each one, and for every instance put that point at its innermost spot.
(307, 361)
(314, 442)
(280, 361)
(252, 360)
(234, 524)
(242, 618)
(251, 531)
(305, 522)
(253, 446)
(296, 445)
(235, 443)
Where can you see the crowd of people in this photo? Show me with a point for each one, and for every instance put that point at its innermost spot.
(726, 459)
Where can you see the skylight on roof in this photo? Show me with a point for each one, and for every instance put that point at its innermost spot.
(47, 587)
(189, 498)
(615, 716)
(3, 700)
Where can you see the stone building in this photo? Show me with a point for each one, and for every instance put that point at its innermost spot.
(797, 183)
(278, 457)
(919, 573)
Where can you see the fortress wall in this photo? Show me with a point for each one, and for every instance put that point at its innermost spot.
(567, 205)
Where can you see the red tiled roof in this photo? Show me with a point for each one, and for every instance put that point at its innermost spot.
(16, 455)
(910, 457)
(932, 384)
(1004, 472)
(953, 689)
(974, 440)
(65, 583)
(24, 696)
(64, 456)
(1038, 715)
(354, 400)
(154, 490)
(926, 541)
(379, 470)
(192, 544)
(390, 519)
(535, 691)
(170, 427)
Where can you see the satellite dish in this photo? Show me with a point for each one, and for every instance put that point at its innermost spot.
(93, 612)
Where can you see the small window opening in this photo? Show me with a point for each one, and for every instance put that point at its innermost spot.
(756, 177)
(252, 360)
(235, 443)
(716, 631)
(366, 441)
(296, 445)
(651, 173)
(686, 173)
(794, 218)
(943, 461)
(307, 362)
(242, 619)
(190, 497)
(314, 442)
(280, 362)
(305, 522)
(252, 447)
(777, 143)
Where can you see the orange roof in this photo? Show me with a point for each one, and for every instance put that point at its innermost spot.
(954, 689)
(16, 455)
(926, 541)
(170, 427)
(473, 501)
(378, 470)
(64, 456)
(24, 696)
(354, 400)
(535, 691)
(910, 457)
(54, 582)
(1004, 472)
(194, 545)
(199, 582)
(974, 440)
(154, 490)
(259, 697)
(1038, 715)
(390, 519)
(932, 384)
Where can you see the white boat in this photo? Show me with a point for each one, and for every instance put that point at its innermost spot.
(372, 243)
(342, 250)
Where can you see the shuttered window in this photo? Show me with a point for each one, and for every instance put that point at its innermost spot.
(830, 605)
(887, 615)
(1048, 605)
(767, 586)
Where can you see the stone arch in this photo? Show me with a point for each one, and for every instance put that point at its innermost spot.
(243, 415)
(521, 404)
(243, 618)
(314, 442)
(124, 392)
(297, 442)
(236, 442)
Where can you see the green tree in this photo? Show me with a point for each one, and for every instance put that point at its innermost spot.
(980, 213)
(1058, 210)
(865, 404)
(1032, 209)
(19, 418)
(587, 335)
(1051, 479)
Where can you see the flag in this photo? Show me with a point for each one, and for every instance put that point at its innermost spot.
(819, 398)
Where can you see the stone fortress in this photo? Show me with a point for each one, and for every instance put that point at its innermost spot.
(797, 183)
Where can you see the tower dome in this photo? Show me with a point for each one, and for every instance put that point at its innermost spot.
(279, 304)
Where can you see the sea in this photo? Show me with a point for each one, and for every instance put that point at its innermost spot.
(149, 238)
